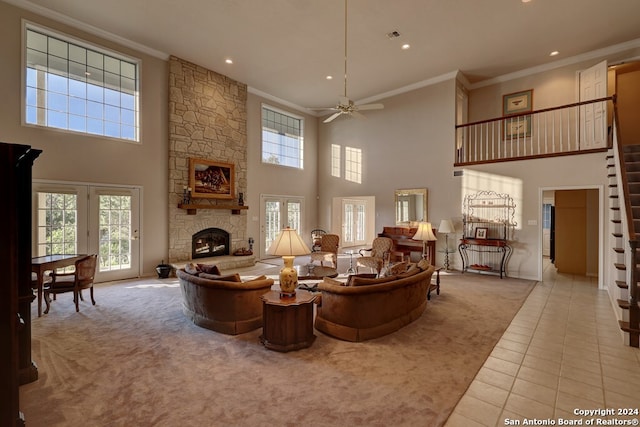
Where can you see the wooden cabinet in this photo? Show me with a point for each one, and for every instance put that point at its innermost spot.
(16, 295)
(287, 322)
(488, 220)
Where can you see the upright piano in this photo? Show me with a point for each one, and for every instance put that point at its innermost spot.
(405, 245)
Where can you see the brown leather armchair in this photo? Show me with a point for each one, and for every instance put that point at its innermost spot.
(81, 278)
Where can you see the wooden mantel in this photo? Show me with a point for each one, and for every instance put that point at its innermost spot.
(192, 209)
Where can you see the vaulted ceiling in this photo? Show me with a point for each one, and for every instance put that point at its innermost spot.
(286, 48)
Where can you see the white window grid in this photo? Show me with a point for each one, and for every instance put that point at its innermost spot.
(282, 141)
(77, 87)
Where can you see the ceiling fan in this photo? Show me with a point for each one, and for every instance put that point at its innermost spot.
(345, 105)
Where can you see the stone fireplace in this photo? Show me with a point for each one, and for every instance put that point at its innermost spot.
(210, 242)
(207, 120)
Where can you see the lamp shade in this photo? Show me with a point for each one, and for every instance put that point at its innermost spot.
(425, 232)
(288, 243)
(446, 227)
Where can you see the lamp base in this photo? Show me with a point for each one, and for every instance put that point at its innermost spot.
(288, 278)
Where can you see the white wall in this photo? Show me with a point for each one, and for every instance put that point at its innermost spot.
(82, 158)
(279, 180)
(409, 144)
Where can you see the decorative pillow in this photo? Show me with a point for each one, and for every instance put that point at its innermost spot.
(413, 269)
(423, 264)
(209, 268)
(396, 269)
(191, 269)
(352, 277)
(228, 278)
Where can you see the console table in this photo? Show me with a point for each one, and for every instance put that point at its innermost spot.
(287, 322)
(490, 248)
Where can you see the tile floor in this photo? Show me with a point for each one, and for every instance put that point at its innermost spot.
(563, 351)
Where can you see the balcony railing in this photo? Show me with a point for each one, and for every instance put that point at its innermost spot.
(576, 128)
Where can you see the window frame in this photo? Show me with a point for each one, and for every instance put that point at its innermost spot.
(76, 41)
(264, 106)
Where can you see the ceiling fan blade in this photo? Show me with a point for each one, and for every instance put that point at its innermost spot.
(332, 117)
(370, 107)
(321, 108)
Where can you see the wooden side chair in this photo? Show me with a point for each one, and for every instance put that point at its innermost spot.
(81, 278)
(328, 250)
(378, 254)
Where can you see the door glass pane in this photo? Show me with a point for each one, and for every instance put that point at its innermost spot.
(57, 222)
(272, 222)
(349, 235)
(293, 215)
(360, 220)
(114, 232)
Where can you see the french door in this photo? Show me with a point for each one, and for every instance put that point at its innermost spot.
(279, 212)
(77, 218)
(354, 222)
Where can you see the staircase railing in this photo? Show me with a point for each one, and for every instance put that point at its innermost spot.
(633, 326)
(568, 129)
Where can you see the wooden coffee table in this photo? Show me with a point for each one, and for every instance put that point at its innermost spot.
(287, 322)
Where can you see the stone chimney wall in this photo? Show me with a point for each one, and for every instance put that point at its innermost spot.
(207, 120)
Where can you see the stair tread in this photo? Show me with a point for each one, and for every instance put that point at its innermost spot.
(620, 266)
(619, 250)
(622, 284)
(627, 328)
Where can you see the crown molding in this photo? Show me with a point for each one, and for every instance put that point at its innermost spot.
(64, 19)
(594, 54)
(284, 102)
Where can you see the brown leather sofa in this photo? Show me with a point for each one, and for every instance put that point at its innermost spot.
(371, 308)
(223, 303)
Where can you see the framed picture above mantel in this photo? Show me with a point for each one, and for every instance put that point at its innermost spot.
(211, 179)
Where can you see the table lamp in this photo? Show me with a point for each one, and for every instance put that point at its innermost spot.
(288, 244)
(446, 227)
(425, 233)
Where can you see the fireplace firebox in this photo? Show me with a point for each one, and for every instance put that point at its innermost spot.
(209, 243)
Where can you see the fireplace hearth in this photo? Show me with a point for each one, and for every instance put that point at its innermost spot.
(209, 243)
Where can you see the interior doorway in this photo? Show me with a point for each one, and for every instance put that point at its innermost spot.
(572, 230)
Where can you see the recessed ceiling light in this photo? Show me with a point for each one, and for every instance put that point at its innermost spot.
(406, 46)
(526, 1)
(554, 53)
(229, 61)
(329, 77)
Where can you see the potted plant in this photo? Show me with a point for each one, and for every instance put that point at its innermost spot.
(163, 270)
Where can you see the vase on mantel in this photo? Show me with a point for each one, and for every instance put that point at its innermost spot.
(241, 199)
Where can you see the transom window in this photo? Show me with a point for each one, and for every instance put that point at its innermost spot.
(282, 142)
(76, 87)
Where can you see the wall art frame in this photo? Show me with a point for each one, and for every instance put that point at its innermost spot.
(481, 233)
(517, 102)
(211, 179)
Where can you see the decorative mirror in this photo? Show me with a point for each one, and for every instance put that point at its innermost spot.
(411, 206)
